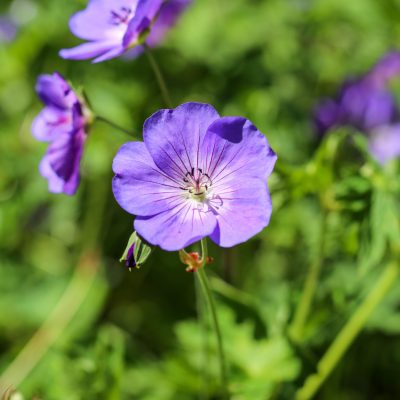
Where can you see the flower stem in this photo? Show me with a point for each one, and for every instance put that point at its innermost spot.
(205, 286)
(114, 125)
(348, 334)
(159, 76)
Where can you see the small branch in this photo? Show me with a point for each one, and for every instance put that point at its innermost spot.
(159, 76)
(114, 125)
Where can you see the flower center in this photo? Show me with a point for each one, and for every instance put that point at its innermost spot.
(197, 184)
(121, 16)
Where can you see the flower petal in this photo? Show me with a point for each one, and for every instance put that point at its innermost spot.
(116, 52)
(55, 91)
(173, 137)
(167, 17)
(95, 22)
(178, 227)
(145, 12)
(387, 68)
(139, 186)
(244, 209)
(384, 143)
(234, 147)
(60, 165)
(89, 50)
(50, 123)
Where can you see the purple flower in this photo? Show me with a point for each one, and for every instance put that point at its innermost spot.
(384, 142)
(196, 174)
(112, 27)
(62, 122)
(367, 105)
(387, 68)
(359, 104)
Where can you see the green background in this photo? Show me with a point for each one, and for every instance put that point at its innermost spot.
(136, 335)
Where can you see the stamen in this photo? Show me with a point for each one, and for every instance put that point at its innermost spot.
(121, 17)
(197, 184)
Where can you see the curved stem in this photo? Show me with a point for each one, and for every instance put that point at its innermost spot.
(348, 334)
(205, 286)
(159, 76)
(114, 125)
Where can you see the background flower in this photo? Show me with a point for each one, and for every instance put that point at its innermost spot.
(367, 105)
(62, 123)
(113, 27)
(195, 175)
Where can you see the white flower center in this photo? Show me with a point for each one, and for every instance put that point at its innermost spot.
(197, 184)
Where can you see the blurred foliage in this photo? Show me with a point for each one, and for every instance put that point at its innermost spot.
(135, 336)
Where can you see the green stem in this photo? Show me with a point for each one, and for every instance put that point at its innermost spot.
(114, 125)
(159, 76)
(309, 289)
(205, 286)
(348, 334)
(204, 356)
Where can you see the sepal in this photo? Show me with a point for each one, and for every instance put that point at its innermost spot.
(136, 252)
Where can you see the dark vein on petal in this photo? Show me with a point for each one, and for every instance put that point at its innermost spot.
(216, 163)
(147, 181)
(184, 145)
(181, 160)
(207, 166)
(179, 168)
(227, 164)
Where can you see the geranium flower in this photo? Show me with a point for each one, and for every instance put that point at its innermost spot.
(195, 175)
(62, 122)
(367, 105)
(112, 27)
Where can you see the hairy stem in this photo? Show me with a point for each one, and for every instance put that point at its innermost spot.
(348, 334)
(205, 286)
(159, 76)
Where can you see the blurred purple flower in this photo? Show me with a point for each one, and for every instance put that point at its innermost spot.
(196, 174)
(387, 68)
(62, 122)
(112, 27)
(367, 105)
(8, 29)
(359, 104)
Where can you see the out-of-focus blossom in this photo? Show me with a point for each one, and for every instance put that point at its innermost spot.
(8, 29)
(63, 123)
(112, 27)
(358, 104)
(387, 68)
(367, 105)
(384, 142)
(196, 174)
